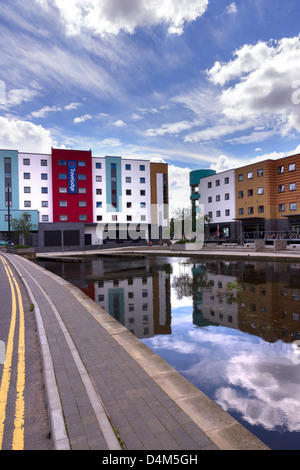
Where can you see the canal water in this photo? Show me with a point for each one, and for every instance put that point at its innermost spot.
(232, 328)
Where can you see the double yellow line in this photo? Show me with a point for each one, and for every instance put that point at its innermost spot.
(18, 435)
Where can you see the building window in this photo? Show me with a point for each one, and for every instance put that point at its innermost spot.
(240, 178)
(143, 205)
(292, 167)
(226, 180)
(142, 192)
(143, 218)
(26, 176)
(261, 209)
(241, 211)
(129, 218)
(260, 172)
(99, 218)
(280, 170)
(217, 182)
(218, 198)
(44, 190)
(99, 192)
(62, 176)
(241, 194)
(82, 218)
(218, 213)
(63, 190)
(98, 166)
(128, 179)
(82, 204)
(260, 191)
(44, 176)
(113, 174)
(44, 203)
(210, 215)
(250, 210)
(81, 190)
(82, 164)
(142, 167)
(63, 204)
(293, 206)
(281, 207)
(82, 177)
(98, 204)
(281, 188)
(44, 163)
(227, 212)
(250, 175)
(26, 161)
(127, 167)
(45, 218)
(128, 192)
(293, 187)
(250, 192)
(98, 179)
(27, 203)
(63, 218)
(142, 180)
(209, 185)
(227, 197)
(128, 205)
(27, 189)
(210, 199)
(62, 162)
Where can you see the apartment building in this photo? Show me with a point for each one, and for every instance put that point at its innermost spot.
(217, 193)
(70, 196)
(261, 200)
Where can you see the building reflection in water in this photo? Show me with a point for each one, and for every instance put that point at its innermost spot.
(258, 298)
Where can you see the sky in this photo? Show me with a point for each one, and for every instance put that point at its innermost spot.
(194, 83)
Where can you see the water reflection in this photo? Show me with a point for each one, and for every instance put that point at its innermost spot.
(228, 327)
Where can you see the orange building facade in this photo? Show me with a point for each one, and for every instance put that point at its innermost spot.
(268, 198)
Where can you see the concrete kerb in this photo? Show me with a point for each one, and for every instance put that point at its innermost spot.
(223, 430)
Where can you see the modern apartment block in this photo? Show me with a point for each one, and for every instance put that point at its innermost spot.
(216, 191)
(71, 196)
(262, 200)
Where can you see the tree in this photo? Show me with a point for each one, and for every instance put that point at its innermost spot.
(22, 227)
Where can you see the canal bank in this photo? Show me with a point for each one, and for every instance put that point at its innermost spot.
(106, 390)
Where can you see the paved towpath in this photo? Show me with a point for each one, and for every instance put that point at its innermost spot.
(106, 390)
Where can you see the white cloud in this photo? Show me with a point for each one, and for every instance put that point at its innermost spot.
(232, 8)
(24, 136)
(105, 17)
(261, 92)
(172, 128)
(120, 123)
(16, 97)
(71, 106)
(179, 189)
(43, 112)
(81, 119)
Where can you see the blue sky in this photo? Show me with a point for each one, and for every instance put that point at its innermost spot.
(194, 83)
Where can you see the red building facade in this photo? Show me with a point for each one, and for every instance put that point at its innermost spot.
(72, 186)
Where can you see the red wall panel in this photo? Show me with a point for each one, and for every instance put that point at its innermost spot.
(73, 211)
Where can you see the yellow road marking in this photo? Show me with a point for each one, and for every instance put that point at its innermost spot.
(18, 436)
(8, 359)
